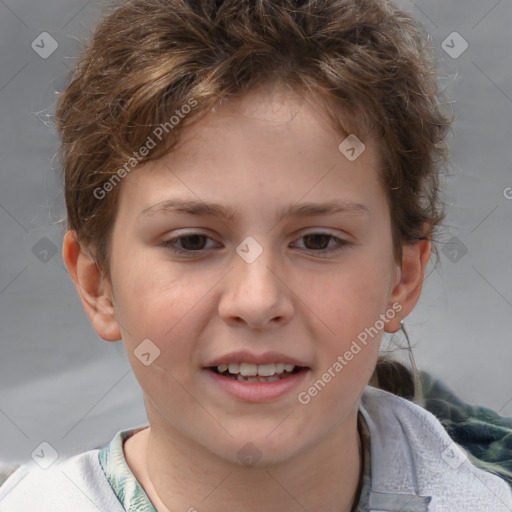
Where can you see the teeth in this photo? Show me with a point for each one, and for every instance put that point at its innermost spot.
(254, 370)
(266, 370)
(233, 367)
(272, 378)
(248, 369)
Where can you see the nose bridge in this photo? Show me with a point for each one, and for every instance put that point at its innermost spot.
(254, 293)
(253, 261)
(255, 277)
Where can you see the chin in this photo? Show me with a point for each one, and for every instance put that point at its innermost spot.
(259, 451)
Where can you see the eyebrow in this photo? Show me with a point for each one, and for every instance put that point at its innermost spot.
(229, 213)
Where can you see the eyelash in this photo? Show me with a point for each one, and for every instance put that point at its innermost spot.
(169, 244)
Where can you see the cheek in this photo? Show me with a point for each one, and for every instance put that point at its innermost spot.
(161, 304)
(148, 289)
(347, 343)
(349, 304)
(351, 298)
(162, 318)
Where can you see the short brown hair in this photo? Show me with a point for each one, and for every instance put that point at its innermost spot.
(148, 58)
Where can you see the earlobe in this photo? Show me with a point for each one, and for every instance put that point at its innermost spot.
(93, 288)
(407, 289)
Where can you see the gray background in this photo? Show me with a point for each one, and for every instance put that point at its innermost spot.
(62, 384)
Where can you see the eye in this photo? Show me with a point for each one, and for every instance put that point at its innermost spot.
(194, 244)
(319, 242)
(190, 243)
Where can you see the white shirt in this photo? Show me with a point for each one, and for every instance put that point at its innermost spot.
(415, 467)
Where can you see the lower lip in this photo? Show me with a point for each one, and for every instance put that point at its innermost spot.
(258, 391)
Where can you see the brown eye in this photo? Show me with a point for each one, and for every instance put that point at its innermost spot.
(193, 242)
(189, 244)
(321, 243)
(317, 241)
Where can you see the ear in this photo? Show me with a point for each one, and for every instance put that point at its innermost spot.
(93, 288)
(409, 282)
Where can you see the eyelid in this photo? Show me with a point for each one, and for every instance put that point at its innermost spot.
(335, 233)
(178, 234)
(341, 243)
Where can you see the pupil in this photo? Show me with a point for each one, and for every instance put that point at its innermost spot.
(324, 239)
(192, 246)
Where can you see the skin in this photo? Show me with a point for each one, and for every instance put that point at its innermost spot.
(258, 154)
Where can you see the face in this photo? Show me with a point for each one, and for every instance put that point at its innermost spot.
(255, 242)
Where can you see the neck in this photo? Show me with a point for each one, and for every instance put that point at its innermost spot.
(178, 474)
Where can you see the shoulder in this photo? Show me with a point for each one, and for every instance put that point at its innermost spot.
(77, 484)
(412, 454)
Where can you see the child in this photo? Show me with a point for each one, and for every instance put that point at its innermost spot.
(300, 142)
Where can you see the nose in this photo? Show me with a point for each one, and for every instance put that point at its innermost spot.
(256, 295)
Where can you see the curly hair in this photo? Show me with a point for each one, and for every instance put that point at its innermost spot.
(149, 59)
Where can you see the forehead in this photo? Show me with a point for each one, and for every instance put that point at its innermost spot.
(273, 137)
(275, 108)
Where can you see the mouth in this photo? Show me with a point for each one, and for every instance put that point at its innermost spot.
(250, 372)
(256, 378)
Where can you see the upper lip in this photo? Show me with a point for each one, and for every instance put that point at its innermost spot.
(243, 356)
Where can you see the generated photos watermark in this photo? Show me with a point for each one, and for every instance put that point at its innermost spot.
(157, 136)
(342, 361)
